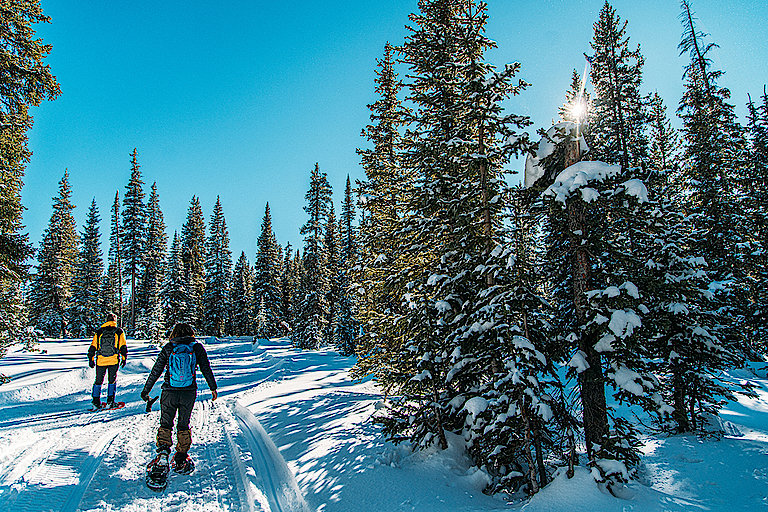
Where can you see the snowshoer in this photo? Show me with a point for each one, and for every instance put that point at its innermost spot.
(107, 350)
(180, 357)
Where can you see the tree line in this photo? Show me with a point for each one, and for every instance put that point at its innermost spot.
(628, 269)
(151, 285)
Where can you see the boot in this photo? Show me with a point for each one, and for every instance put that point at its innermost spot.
(110, 402)
(96, 402)
(182, 463)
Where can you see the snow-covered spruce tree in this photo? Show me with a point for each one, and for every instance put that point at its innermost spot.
(85, 311)
(193, 257)
(459, 143)
(154, 267)
(757, 210)
(218, 274)
(312, 306)
(112, 291)
(712, 167)
(287, 290)
(266, 282)
(241, 298)
(382, 201)
(297, 266)
(176, 301)
(331, 243)
(598, 306)
(51, 290)
(25, 81)
(510, 427)
(617, 121)
(347, 325)
(133, 239)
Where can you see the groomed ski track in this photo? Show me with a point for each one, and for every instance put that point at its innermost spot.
(54, 455)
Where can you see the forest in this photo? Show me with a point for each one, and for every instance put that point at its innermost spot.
(551, 318)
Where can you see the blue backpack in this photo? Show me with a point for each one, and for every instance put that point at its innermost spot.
(182, 364)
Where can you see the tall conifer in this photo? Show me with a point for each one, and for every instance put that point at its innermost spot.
(86, 311)
(52, 286)
(133, 237)
(153, 271)
(193, 258)
(241, 298)
(218, 268)
(266, 281)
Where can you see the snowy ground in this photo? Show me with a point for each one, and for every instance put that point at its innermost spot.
(291, 432)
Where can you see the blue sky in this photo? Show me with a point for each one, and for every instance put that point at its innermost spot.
(240, 99)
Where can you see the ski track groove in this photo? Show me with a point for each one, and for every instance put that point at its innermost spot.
(57, 471)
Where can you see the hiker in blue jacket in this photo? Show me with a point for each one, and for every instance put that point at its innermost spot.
(180, 357)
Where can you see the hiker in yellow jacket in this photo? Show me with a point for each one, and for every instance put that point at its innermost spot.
(107, 349)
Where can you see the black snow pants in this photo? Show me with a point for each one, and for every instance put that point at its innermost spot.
(101, 370)
(173, 401)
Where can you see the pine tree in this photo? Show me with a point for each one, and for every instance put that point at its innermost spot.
(311, 320)
(193, 257)
(287, 290)
(218, 268)
(112, 291)
(133, 234)
(347, 326)
(664, 145)
(332, 297)
(266, 282)
(757, 211)
(176, 300)
(616, 132)
(86, 311)
(577, 101)
(151, 323)
(25, 81)
(383, 195)
(52, 286)
(241, 298)
(459, 144)
(713, 162)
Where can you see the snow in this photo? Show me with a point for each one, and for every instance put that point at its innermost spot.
(636, 188)
(623, 322)
(579, 176)
(547, 145)
(292, 432)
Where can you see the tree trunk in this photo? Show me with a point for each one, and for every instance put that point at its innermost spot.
(591, 380)
(680, 414)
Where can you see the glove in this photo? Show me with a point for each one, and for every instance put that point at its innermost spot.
(91, 363)
(123, 359)
(145, 396)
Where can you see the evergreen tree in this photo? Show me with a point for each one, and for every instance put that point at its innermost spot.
(193, 257)
(577, 101)
(133, 234)
(713, 161)
(664, 145)
(312, 306)
(288, 285)
(617, 121)
(151, 322)
(459, 144)
(757, 210)
(218, 268)
(383, 196)
(333, 268)
(241, 298)
(176, 300)
(25, 81)
(112, 293)
(52, 286)
(85, 312)
(347, 326)
(266, 282)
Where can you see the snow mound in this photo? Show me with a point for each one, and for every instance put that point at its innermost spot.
(547, 145)
(579, 176)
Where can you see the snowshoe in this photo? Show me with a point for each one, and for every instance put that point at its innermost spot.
(185, 467)
(157, 473)
(116, 405)
(94, 407)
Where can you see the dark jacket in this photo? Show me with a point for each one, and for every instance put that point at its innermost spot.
(161, 363)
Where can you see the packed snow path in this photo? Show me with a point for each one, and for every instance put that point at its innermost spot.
(55, 455)
(292, 432)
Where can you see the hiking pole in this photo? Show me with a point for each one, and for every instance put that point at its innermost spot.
(150, 402)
